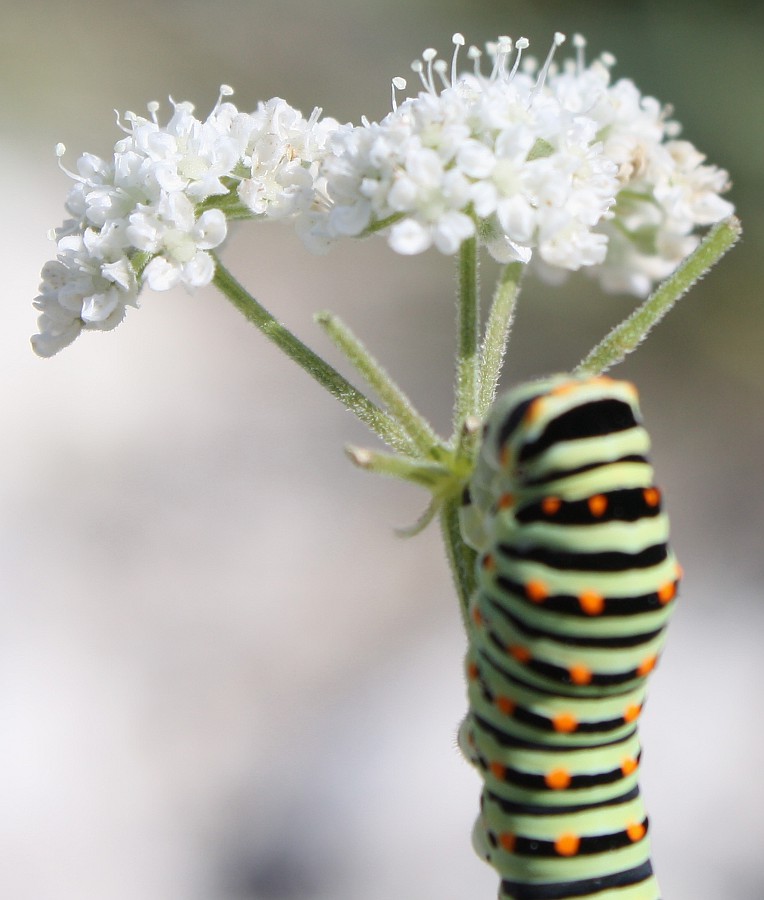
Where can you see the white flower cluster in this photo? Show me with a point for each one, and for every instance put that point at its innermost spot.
(494, 155)
(152, 214)
(665, 191)
(559, 165)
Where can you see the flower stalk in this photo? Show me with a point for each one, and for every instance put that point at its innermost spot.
(467, 325)
(328, 377)
(401, 408)
(497, 334)
(461, 558)
(626, 336)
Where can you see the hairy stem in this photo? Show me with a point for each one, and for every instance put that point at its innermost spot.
(398, 404)
(467, 331)
(350, 397)
(497, 334)
(461, 558)
(628, 335)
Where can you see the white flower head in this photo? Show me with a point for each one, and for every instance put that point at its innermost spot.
(547, 162)
(495, 155)
(152, 214)
(665, 191)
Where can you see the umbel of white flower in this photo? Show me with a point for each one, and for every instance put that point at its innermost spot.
(497, 155)
(152, 214)
(553, 166)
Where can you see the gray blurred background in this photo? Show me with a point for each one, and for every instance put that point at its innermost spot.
(223, 677)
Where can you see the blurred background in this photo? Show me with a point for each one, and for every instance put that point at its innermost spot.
(223, 676)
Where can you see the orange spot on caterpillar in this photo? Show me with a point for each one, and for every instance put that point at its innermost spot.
(632, 712)
(488, 562)
(627, 386)
(591, 603)
(472, 671)
(498, 770)
(580, 674)
(558, 779)
(629, 765)
(646, 666)
(652, 496)
(520, 653)
(567, 844)
(636, 832)
(533, 411)
(505, 705)
(550, 505)
(507, 841)
(597, 505)
(477, 617)
(504, 457)
(505, 501)
(667, 592)
(567, 387)
(536, 591)
(564, 723)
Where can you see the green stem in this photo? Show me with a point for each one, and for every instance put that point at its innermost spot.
(626, 336)
(382, 224)
(497, 334)
(398, 404)
(467, 325)
(426, 473)
(461, 558)
(328, 377)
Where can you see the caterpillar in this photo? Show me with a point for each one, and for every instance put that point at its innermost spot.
(575, 584)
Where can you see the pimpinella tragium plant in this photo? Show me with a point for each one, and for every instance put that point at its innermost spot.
(547, 167)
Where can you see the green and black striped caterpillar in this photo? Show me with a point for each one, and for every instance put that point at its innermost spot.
(575, 583)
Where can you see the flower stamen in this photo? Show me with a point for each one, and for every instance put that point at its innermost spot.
(441, 67)
(475, 53)
(429, 55)
(458, 41)
(522, 44)
(225, 91)
(501, 50)
(60, 150)
(397, 84)
(417, 67)
(579, 42)
(559, 38)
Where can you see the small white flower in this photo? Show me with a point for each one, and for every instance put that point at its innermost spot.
(409, 237)
(281, 154)
(77, 292)
(179, 241)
